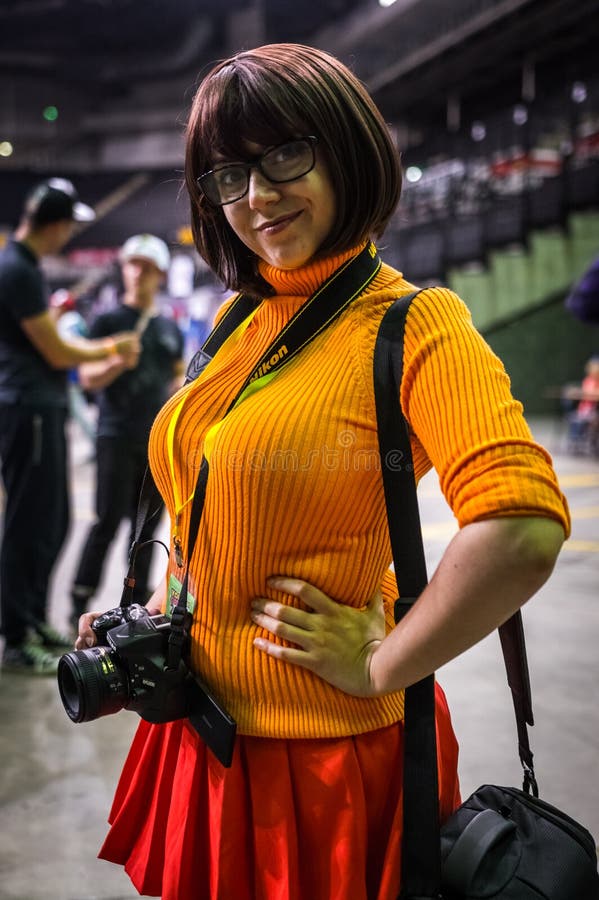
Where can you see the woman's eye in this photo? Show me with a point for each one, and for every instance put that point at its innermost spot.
(284, 154)
(230, 177)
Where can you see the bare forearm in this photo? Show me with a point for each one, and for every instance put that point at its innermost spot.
(77, 350)
(95, 376)
(62, 354)
(488, 571)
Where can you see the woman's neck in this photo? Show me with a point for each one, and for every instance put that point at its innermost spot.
(304, 280)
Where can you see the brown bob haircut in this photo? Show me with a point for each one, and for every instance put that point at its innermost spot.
(276, 93)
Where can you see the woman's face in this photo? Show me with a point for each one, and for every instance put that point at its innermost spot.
(284, 224)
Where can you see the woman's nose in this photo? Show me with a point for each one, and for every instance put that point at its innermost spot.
(261, 190)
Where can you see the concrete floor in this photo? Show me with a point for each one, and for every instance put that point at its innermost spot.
(57, 778)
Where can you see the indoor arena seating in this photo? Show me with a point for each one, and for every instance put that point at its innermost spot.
(512, 255)
(515, 252)
(511, 279)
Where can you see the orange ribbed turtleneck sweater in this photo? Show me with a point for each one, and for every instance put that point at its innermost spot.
(295, 485)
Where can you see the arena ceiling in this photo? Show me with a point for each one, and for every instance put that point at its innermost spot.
(99, 57)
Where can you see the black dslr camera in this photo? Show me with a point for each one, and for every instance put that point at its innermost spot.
(128, 670)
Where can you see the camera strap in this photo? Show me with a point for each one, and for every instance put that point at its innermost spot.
(150, 502)
(313, 317)
(319, 311)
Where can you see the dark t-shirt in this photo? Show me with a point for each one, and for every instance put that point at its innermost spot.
(25, 376)
(128, 406)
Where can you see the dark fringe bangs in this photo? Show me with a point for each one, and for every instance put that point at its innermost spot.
(249, 109)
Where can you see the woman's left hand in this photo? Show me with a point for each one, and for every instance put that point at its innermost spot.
(333, 640)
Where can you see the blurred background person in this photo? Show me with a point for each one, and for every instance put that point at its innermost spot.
(583, 422)
(70, 323)
(34, 359)
(583, 299)
(129, 396)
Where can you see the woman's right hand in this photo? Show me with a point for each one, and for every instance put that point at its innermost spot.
(86, 636)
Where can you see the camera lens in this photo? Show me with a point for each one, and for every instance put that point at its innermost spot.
(91, 684)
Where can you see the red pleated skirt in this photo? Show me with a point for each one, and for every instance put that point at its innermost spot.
(290, 820)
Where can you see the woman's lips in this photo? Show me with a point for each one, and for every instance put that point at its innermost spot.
(277, 225)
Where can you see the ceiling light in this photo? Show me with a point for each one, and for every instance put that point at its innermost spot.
(413, 174)
(520, 115)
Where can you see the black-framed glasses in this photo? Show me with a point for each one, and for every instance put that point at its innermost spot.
(285, 162)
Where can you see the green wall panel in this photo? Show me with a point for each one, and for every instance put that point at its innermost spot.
(545, 349)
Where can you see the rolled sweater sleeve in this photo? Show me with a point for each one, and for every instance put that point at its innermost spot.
(456, 396)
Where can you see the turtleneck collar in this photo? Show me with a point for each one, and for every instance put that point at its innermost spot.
(304, 281)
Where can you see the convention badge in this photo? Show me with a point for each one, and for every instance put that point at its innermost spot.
(174, 591)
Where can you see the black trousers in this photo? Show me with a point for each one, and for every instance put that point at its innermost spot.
(33, 449)
(121, 464)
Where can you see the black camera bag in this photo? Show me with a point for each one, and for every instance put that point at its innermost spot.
(502, 843)
(505, 843)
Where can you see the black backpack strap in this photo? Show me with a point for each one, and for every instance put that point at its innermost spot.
(421, 862)
(421, 854)
(513, 646)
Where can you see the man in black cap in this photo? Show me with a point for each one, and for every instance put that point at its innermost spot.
(34, 360)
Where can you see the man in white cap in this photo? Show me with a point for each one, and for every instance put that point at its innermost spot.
(128, 400)
(34, 359)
